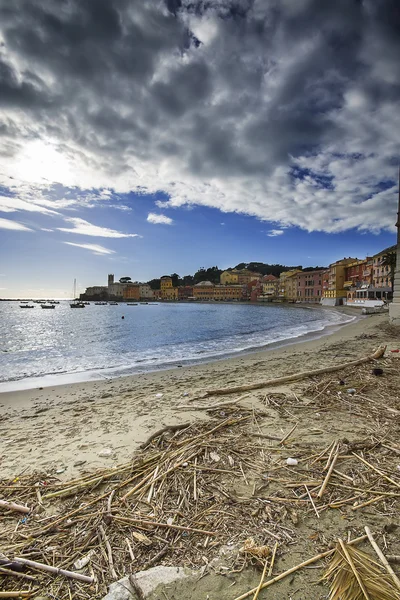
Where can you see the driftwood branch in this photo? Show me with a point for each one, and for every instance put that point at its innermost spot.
(379, 353)
(382, 557)
(156, 434)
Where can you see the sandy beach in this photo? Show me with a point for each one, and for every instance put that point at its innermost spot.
(85, 430)
(67, 428)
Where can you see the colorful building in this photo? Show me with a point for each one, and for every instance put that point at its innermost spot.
(381, 273)
(283, 287)
(291, 286)
(336, 292)
(203, 291)
(270, 287)
(228, 292)
(185, 292)
(238, 276)
(132, 292)
(168, 292)
(309, 286)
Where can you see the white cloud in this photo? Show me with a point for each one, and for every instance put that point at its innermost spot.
(245, 107)
(95, 248)
(46, 229)
(82, 227)
(7, 224)
(275, 232)
(13, 204)
(159, 219)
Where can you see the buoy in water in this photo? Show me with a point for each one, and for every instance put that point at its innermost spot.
(122, 317)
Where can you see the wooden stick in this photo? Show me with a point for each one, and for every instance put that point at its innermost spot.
(382, 557)
(55, 570)
(312, 501)
(353, 568)
(329, 473)
(72, 490)
(297, 567)
(302, 375)
(261, 581)
(368, 502)
(109, 552)
(16, 574)
(20, 594)
(166, 525)
(288, 434)
(13, 506)
(377, 470)
(130, 549)
(271, 566)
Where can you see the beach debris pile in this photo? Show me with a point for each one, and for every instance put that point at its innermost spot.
(193, 489)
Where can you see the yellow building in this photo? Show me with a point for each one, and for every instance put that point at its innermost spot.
(336, 285)
(270, 286)
(228, 292)
(285, 288)
(228, 277)
(168, 292)
(381, 273)
(238, 276)
(203, 291)
(291, 286)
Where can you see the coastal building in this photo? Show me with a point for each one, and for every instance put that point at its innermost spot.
(95, 292)
(228, 292)
(335, 294)
(168, 292)
(132, 292)
(145, 292)
(116, 288)
(270, 287)
(381, 267)
(203, 291)
(309, 286)
(285, 288)
(238, 276)
(291, 286)
(185, 292)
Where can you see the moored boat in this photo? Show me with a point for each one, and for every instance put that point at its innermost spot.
(26, 306)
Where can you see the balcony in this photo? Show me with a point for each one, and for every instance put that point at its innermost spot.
(347, 284)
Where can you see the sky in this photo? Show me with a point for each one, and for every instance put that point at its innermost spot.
(147, 137)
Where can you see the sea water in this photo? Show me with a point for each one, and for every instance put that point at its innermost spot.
(36, 343)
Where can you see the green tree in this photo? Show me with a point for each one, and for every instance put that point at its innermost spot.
(154, 284)
(389, 260)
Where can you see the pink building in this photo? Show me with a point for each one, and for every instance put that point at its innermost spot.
(309, 286)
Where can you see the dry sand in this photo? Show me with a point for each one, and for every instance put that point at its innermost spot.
(66, 427)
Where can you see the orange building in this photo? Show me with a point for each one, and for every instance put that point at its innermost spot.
(132, 292)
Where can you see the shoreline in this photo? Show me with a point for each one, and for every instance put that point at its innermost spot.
(60, 379)
(65, 428)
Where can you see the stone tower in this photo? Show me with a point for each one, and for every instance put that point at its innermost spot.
(394, 307)
(110, 279)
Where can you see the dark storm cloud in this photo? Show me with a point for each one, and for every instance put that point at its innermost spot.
(213, 101)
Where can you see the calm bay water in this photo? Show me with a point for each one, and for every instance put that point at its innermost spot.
(39, 342)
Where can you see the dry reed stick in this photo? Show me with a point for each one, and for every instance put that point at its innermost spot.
(382, 557)
(271, 566)
(312, 501)
(353, 568)
(329, 473)
(20, 594)
(368, 502)
(166, 525)
(54, 570)
(288, 434)
(109, 552)
(377, 470)
(297, 567)
(261, 581)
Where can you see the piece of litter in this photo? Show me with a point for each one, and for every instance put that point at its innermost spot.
(105, 452)
(82, 562)
(351, 391)
(215, 457)
(185, 394)
(292, 462)
(159, 395)
(59, 471)
(170, 520)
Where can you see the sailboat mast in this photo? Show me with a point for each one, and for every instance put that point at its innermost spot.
(74, 289)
